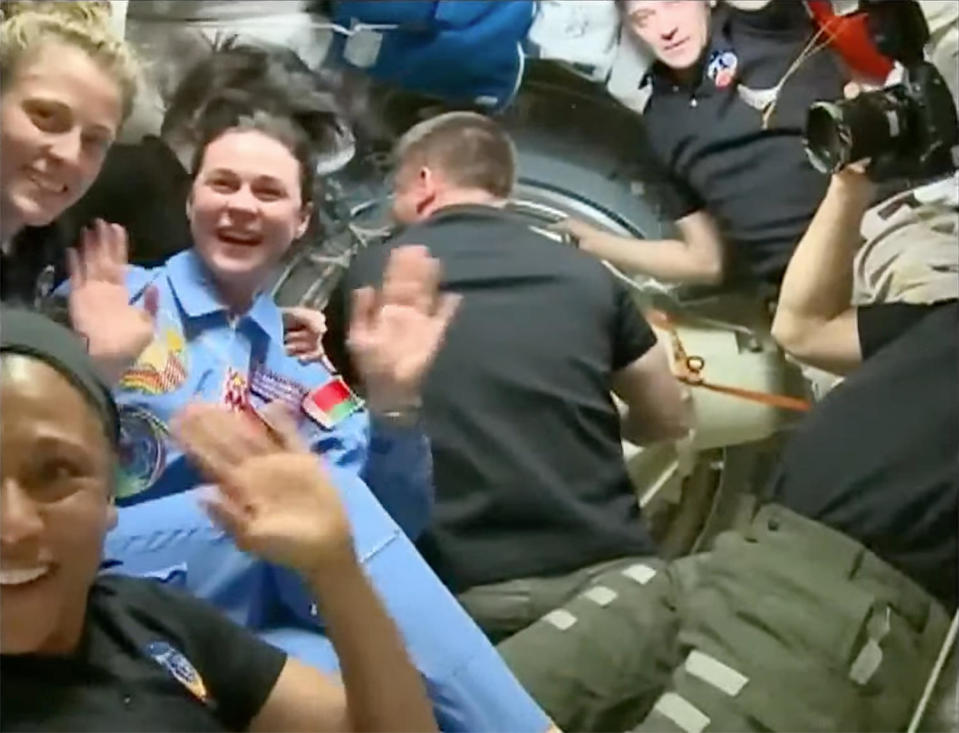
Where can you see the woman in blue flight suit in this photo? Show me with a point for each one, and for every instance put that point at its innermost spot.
(201, 327)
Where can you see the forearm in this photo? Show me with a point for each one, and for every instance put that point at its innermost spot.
(672, 260)
(112, 368)
(384, 691)
(399, 472)
(817, 286)
(672, 425)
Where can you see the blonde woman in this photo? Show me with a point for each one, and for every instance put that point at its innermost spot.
(68, 84)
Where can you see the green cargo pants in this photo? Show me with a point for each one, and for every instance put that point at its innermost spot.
(786, 626)
(503, 609)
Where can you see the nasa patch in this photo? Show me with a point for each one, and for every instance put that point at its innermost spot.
(722, 68)
(179, 668)
(143, 450)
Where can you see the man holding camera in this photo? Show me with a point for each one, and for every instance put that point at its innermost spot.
(859, 269)
(729, 91)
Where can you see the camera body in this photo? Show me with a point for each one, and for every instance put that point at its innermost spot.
(909, 130)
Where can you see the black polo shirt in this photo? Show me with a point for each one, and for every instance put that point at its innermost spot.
(151, 659)
(528, 463)
(878, 459)
(714, 152)
(35, 264)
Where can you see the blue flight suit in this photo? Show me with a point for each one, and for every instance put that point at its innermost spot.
(200, 354)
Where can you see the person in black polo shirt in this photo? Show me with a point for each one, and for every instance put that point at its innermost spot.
(87, 651)
(532, 494)
(729, 93)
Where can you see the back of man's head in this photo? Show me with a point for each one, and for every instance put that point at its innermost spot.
(457, 157)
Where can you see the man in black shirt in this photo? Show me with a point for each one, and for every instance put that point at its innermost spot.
(532, 494)
(82, 652)
(728, 98)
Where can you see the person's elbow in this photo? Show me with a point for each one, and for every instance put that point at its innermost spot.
(708, 271)
(793, 334)
(705, 253)
(662, 431)
(671, 425)
(672, 419)
(679, 423)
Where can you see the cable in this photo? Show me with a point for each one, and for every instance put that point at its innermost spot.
(947, 646)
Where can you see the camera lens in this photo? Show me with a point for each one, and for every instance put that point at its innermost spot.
(840, 133)
(828, 140)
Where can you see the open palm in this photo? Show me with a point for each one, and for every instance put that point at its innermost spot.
(395, 334)
(272, 495)
(100, 309)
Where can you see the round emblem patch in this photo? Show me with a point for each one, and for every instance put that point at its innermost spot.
(722, 68)
(142, 451)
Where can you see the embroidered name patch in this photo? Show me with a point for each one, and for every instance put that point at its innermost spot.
(270, 386)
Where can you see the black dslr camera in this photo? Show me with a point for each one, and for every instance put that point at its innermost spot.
(909, 130)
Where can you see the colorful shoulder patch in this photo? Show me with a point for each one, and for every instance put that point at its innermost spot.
(179, 668)
(331, 403)
(161, 368)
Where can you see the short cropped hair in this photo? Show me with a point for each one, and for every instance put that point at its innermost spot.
(472, 151)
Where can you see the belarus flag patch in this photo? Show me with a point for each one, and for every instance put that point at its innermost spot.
(331, 403)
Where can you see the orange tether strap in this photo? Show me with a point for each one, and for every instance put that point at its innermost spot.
(691, 372)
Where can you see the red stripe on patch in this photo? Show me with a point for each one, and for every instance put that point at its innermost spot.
(330, 395)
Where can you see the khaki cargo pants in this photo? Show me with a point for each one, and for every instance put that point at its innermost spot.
(786, 626)
(505, 608)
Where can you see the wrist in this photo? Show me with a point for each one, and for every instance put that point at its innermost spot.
(854, 189)
(402, 417)
(111, 366)
(381, 402)
(326, 577)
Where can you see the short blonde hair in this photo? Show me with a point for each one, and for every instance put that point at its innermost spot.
(26, 26)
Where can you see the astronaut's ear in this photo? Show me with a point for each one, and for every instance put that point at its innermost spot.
(306, 214)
